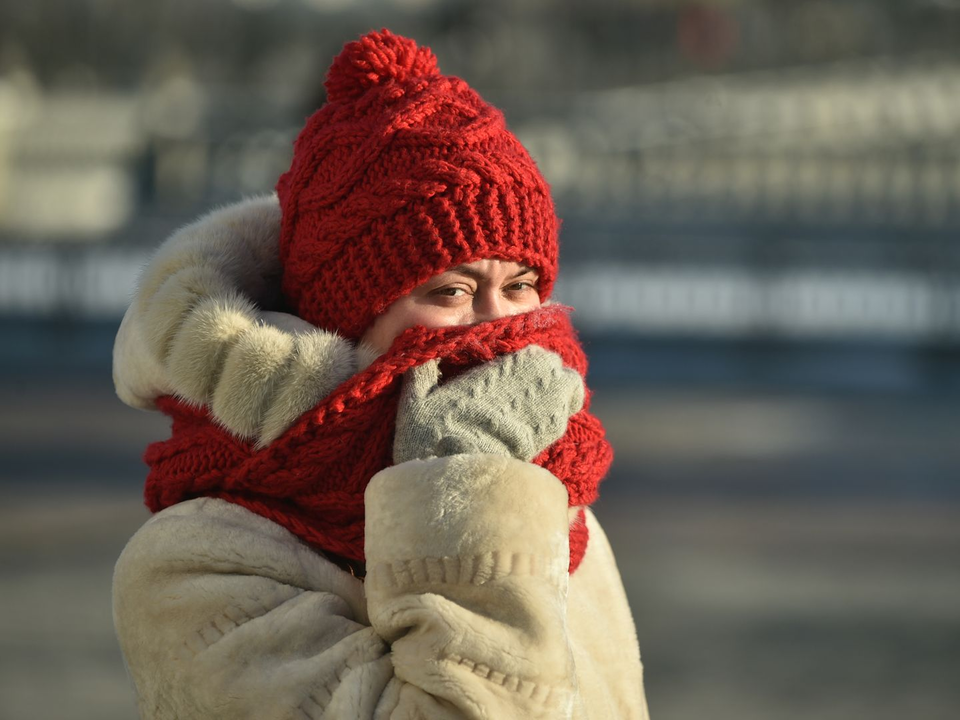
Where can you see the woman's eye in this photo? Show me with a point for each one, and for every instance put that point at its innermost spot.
(449, 291)
(522, 286)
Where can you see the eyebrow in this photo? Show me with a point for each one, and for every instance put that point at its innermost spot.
(477, 275)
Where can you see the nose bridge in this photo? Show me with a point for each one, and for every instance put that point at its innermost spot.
(489, 304)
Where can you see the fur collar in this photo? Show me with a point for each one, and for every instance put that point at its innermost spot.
(200, 329)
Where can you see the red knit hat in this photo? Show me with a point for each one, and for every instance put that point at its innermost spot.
(402, 174)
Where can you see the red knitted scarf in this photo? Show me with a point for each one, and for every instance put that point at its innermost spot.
(311, 480)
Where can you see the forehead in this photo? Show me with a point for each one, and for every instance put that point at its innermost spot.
(488, 268)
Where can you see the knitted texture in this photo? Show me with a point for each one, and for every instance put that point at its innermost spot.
(516, 405)
(402, 174)
(311, 480)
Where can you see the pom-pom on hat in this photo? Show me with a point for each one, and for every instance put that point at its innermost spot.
(402, 174)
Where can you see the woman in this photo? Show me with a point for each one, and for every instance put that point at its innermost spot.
(372, 506)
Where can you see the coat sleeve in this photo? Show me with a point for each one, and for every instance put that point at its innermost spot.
(467, 580)
(463, 614)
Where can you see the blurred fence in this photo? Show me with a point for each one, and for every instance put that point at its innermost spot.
(821, 202)
(813, 199)
(97, 283)
(868, 143)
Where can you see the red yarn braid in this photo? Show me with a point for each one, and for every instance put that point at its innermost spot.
(312, 479)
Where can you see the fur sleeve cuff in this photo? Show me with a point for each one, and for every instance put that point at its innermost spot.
(465, 518)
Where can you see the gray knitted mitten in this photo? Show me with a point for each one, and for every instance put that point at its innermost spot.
(517, 405)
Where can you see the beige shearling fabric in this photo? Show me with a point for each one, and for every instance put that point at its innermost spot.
(467, 610)
(200, 328)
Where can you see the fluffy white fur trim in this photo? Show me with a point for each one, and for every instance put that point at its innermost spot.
(196, 330)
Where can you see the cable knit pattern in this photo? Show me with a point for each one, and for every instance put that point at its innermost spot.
(403, 174)
(311, 479)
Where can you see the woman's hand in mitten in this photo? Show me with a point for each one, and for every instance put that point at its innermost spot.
(517, 405)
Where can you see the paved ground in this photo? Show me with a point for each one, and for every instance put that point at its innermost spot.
(767, 610)
(785, 557)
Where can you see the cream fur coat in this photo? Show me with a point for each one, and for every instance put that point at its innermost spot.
(467, 610)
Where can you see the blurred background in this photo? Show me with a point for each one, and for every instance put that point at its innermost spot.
(761, 205)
